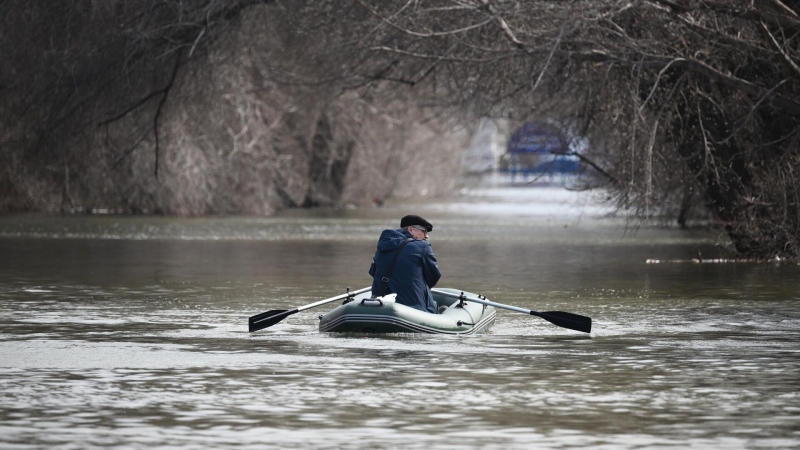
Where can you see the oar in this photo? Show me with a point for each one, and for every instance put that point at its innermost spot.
(560, 318)
(270, 318)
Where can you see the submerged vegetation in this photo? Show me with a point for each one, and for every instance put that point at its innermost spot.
(209, 106)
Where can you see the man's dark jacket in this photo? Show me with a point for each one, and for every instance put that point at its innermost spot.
(415, 271)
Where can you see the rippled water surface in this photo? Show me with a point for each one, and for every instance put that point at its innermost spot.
(131, 333)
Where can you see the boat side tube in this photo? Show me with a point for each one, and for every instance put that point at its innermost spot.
(384, 315)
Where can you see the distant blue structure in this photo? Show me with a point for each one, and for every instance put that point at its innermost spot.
(537, 148)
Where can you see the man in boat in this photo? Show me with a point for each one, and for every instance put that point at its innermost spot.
(415, 271)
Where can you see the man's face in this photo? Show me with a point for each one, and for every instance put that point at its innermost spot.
(418, 232)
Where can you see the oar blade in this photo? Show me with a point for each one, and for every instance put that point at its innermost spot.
(567, 320)
(268, 319)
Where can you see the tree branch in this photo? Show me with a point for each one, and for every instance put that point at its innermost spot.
(166, 90)
(611, 178)
(134, 106)
(433, 33)
(659, 62)
(786, 9)
(549, 57)
(506, 29)
(772, 41)
(750, 14)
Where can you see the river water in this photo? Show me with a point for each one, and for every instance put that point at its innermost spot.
(131, 332)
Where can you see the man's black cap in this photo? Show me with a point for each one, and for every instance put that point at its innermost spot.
(407, 221)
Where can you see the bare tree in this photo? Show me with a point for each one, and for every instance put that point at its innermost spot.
(188, 107)
(75, 70)
(681, 99)
(246, 106)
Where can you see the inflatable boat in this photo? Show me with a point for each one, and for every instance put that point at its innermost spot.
(363, 314)
(460, 313)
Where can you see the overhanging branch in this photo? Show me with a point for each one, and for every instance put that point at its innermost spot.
(774, 43)
(658, 62)
(595, 166)
(751, 14)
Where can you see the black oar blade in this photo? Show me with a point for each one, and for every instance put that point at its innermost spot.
(268, 319)
(567, 320)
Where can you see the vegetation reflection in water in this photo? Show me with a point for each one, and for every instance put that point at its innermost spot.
(142, 342)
